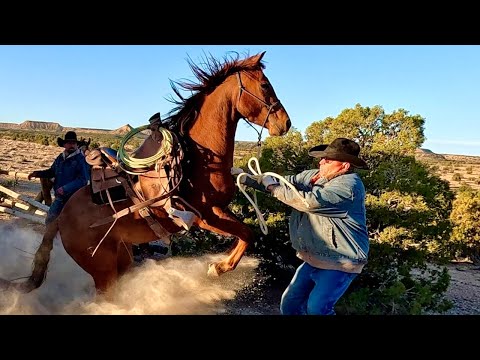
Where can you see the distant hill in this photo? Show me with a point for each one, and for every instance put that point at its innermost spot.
(8, 126)
(56, 127)
(33, 125)
(426, 154)
(40, 125)
(125, 129)
(469, 159)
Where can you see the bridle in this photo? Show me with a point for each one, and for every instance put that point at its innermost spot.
(270, 107)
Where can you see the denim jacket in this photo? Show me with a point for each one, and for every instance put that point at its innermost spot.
(331, 233)
(71, 173)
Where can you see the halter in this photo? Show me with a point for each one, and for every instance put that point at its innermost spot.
(268, 106)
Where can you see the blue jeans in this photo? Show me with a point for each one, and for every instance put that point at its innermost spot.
(314, 291)
(54, 211)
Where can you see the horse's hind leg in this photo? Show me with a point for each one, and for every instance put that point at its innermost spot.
(225, 223)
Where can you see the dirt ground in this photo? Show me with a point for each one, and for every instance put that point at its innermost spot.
(22, 157)
(464, 289)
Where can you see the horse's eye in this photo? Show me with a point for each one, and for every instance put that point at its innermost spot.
(265, 86)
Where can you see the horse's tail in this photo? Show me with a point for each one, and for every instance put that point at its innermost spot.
(40, 263)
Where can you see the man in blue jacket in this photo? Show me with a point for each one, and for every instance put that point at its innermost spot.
(327, 227)
(70, 170)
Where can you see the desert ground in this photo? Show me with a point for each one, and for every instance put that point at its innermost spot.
(458, 170)
(236, 295)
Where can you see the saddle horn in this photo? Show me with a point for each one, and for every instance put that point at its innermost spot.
(155, 118)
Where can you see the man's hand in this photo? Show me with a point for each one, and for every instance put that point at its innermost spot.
(59, 191)
(253, 181)
(33, 174)
(236, 171)
(268, 180)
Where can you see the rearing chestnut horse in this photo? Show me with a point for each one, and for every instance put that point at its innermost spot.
(206, 122)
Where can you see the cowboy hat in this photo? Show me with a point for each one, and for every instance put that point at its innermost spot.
(340, 149)
(69, 136)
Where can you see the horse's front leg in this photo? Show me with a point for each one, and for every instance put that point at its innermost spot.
(223, 222)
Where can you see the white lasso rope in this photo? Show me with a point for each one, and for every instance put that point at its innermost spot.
(257, 171)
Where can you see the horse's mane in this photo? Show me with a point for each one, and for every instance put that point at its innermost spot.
(210, 74)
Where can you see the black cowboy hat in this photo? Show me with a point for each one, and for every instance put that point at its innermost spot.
(340, 149)
(69, 136)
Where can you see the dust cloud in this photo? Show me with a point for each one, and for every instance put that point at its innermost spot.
(172, 286)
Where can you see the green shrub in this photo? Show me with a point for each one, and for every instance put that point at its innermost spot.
(465, 217)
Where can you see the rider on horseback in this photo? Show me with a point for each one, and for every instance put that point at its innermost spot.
(70, 170)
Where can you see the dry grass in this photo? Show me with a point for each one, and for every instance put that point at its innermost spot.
(458, 170)
(24, 157)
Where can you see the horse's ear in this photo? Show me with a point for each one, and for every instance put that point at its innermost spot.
(259, 57)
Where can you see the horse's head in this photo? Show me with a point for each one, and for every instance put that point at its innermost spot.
(257, 101)
(83, 145)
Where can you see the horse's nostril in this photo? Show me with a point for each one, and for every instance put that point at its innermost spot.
(289, 123)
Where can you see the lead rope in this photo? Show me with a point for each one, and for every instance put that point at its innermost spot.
(257, 171)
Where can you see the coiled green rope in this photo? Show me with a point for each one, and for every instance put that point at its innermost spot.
(145, 163)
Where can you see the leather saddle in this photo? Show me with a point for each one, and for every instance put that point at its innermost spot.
(110, 182)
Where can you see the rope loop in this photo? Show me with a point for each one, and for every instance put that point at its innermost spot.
(145, 163)
(257, 171)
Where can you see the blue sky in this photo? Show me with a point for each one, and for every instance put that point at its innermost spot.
(108, 86)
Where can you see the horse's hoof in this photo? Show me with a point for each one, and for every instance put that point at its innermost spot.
(212, 270)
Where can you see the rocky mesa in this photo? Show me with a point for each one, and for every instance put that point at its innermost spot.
(35, 125)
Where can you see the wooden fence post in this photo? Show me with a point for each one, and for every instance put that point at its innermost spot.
(34, 218)
(24, 198)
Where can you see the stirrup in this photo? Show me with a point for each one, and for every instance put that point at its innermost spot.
(181, 218)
